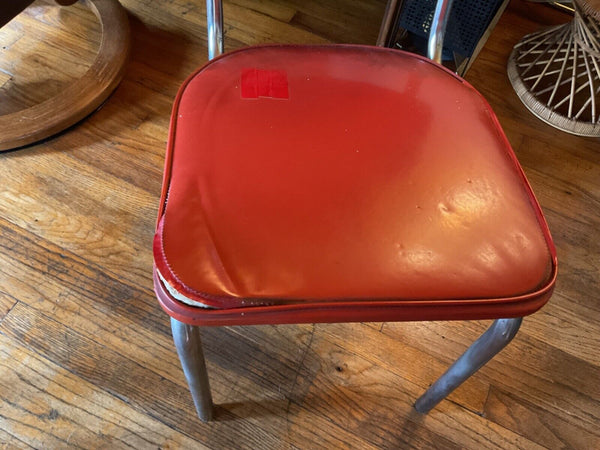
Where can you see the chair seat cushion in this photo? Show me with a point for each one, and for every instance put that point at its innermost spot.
(323, 174)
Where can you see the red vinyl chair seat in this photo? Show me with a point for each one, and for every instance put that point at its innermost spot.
(343, 183)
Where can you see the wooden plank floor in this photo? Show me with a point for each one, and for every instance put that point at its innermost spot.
(86, 354)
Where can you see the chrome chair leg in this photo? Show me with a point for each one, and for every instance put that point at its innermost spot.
(438, 30)
(386, 31)
(189, 348)
(214, 22)
(480, 352)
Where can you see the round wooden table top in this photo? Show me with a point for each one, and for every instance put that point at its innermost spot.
(36, 103)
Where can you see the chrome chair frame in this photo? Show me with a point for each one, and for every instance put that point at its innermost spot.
(187, 337)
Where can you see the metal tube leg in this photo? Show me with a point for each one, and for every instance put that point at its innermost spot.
(189, 348)
(214, 22)
(480, 352)
(387, 24)
(437, 31)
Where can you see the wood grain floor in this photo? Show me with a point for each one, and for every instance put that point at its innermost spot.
(86, 354)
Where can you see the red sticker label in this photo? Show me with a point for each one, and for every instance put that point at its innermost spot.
(258, 83)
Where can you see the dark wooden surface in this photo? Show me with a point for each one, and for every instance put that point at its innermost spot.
(86, 353)
(9, 10)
